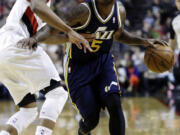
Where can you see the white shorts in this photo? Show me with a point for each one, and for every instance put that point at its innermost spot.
(23, 71)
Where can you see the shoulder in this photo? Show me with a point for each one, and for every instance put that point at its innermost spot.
(85, 7)
(71, 8)
(122, 10)
(121, 7)
(73, 14)
(79, 10)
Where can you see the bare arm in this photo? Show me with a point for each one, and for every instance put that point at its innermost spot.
(129, 39)
(47, 15)
(72, 15)
(48, 36)
(125, 37)
(58, 39)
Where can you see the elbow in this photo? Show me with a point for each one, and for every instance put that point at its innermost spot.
(116, 38)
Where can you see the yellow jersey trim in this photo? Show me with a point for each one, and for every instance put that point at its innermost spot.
(66, 81)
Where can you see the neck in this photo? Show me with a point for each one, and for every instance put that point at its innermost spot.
(104, 9)
(105, 4)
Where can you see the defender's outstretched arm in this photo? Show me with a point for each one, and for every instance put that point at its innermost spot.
(72, 16)
(47, 15)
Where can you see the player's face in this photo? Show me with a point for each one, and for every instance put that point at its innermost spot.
(105, 1)
(177, 4)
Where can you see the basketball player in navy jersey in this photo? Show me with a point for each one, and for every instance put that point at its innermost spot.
(24, 73)
(90, 77)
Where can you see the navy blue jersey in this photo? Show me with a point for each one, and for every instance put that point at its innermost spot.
(103, 28)
(90, 78)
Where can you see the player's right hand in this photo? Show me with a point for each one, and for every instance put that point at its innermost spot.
(152, 42)
(28, 43)
(79, 40)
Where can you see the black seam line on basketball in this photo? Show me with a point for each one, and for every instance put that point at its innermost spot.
(150, 57)
(163, 65)
(156, 64)
(160, 57)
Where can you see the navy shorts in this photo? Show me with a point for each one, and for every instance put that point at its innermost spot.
(90, 83)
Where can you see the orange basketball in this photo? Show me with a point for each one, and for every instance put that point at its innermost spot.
(159, 58)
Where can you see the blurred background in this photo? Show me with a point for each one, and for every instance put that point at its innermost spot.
(144, 92)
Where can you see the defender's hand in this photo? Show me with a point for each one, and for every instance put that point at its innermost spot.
(151, 42)
(79, 40)
(28, 43)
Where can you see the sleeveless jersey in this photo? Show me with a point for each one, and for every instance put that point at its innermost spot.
(22, 20)
(104, 29)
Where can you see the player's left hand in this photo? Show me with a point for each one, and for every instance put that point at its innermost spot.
(152, 42)
(28, 43)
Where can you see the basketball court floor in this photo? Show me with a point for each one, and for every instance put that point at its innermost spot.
(144, 116)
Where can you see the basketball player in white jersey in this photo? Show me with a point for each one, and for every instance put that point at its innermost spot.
(25, 72)
(175, 29)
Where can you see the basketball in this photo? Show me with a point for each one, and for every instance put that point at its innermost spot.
(159, 58)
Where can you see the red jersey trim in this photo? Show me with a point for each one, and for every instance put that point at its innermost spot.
(32, 19)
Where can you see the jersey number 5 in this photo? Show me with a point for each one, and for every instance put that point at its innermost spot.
(96, 45)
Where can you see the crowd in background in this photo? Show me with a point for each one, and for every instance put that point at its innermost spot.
(146, 18)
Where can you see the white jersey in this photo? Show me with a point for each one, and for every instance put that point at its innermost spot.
(23, 71)
(176, 28)
(22, 20)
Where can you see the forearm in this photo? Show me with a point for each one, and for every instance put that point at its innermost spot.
(48, 35)
(56, 39)
(130, 39)
(47, 15)
(42, 34)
